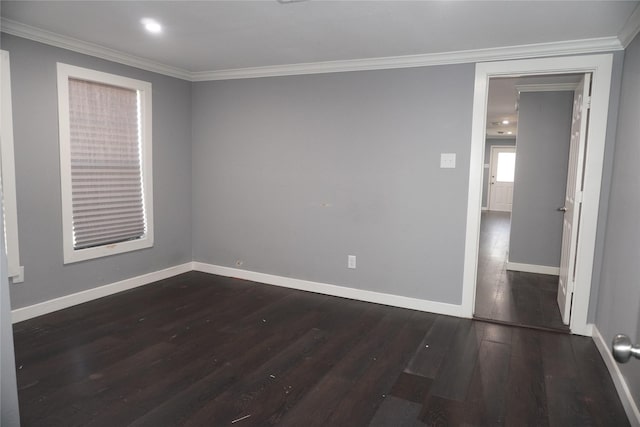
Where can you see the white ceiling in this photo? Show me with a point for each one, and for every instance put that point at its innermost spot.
(222, 35)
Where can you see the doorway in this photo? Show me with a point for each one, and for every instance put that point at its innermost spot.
(521, 235)
(502, 166)
(600, 66)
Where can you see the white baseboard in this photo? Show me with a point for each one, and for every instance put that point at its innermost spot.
(532, 268)
(587, 331)
(484, 208)
(626, 397)
(29, 312)
(334, 290)
(24, 313)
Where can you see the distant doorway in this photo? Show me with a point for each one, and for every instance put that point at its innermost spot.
(519, 248)
(502, 167)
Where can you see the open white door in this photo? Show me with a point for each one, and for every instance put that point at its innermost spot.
(502, 168)
(573, 197)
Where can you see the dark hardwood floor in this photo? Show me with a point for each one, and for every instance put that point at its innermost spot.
(202, 350)
(513, 297)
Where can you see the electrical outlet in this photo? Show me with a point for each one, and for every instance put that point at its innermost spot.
(351, 261)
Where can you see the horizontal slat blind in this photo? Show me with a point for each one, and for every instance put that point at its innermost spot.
(106, 173)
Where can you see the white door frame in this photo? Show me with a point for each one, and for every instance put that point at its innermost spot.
(492, 160)
(600, 66)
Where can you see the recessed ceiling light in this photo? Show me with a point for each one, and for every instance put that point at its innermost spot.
(505, 122)
(509, 133)
(151, 25)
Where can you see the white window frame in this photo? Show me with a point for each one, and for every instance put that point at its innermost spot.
(7, 165)
(65, 72)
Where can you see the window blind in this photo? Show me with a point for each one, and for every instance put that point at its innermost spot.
(106, 170)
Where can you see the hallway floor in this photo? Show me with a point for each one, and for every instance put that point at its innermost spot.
(512, 297)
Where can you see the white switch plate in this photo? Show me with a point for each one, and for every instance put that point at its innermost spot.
(351, 261)
(447, 160)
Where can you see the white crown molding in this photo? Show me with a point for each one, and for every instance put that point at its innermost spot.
(630, 29)
(603, 44)
(549, 87)
(572, 47)
(36, 34)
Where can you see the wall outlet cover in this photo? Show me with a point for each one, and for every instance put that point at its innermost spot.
(447, 160)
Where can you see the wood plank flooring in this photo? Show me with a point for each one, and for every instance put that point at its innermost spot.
(202, 350)
(512, 297)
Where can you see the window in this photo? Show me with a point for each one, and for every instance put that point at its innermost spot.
(506, 167)
(105, 162)
(7, 176)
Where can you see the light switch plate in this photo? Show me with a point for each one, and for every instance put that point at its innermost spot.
(351, 261)
(447, 160)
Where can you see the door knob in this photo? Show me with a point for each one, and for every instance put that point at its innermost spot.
(562, 209)
(622, 349)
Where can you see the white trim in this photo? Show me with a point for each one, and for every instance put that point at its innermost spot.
(484, 209)
(587, 331)
(65, 42)
(9, 173)
(559, 48)
(334, 290)
(626, 397)
(548, 87)
(600, 66)
(533, 268)
(604, 44)
(630, 29)
(29, 312)
(65, 72)
(505, 136)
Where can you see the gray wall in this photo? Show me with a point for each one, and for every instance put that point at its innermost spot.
(9, 414)
(292, 174)
(490, 142)
(377, 140)
(618, 308)
(544, 129)
(33, 72)
(359, 175)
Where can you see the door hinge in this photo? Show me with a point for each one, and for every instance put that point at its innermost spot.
(579, 197)
(571, 306)
(587, 102)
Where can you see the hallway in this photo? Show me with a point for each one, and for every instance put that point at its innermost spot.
(512, 297)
